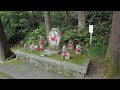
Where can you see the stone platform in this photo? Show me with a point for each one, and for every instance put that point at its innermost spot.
(68, 69)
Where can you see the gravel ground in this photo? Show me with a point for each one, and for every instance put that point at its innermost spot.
(96, 70)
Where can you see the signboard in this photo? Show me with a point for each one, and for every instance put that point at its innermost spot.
(90, 28)
(90, 31)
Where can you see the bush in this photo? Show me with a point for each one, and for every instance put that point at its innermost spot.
(34, 36)
(18, 23)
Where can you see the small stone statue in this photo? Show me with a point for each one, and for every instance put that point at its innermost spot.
(65, 54)
(41, 42)
(35, 47)
(25, 46)
(41, 47)
(70, 45)
(78, 49)
(32, 47)
(22, 43)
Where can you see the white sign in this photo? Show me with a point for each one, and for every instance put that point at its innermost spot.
(90, 28)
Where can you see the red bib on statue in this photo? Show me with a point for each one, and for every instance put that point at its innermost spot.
(64, 52)
(77, 50)
(53, 38)
(41, 49)
(70, 45)
(41, 42)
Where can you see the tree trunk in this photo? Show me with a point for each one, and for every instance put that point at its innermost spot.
(5, 51)
(47, 23)
(81, 20)
(70, 19)
(113, 51)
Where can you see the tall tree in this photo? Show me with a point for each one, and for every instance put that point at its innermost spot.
(70, 19)
(5, 51)
(81, 19)
(47, 22)
(113, 51)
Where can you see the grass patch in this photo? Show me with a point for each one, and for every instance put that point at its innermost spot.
(13, 62)
(94, 53)
(15, 48)
(75, 58)
(33, 52)
(6, 76)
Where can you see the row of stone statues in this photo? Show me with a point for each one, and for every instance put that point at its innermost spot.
(65, 53)
(54, 43)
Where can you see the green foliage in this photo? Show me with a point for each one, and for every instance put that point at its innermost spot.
(33, 52)
(96, 52)
(29, 25)
(34, 36)
(18, 23)
(58, 18)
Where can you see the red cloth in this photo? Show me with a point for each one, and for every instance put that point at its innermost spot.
(77, 50)
(32, 46)
(65, 52)
(53, 38)
(67, 55)
(36, 48)
(41, 49)
(41, 42)
(70, 45)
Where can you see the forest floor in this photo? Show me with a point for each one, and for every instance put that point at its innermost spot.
(96, 70)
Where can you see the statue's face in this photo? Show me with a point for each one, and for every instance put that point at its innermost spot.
(41, 37)
(64, 47)
(78, 46)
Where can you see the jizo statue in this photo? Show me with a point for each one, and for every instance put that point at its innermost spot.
(54, 39)
(33, 47)
(70, 45)
(41, 42)
(78, 49)
(65, 54)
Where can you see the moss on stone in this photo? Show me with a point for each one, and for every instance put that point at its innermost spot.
(75, 58)
(5, 76)
(111, 69)
(15, 48)
(13, 62)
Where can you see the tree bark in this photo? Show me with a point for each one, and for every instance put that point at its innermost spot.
(70, 19)
(5, 51)
(81, 19)
(47, 23)
(113, 51)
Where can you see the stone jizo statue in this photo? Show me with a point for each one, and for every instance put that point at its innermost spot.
(54, 39)
(70, 45)
(78, 49)
(41, 43)
(65, 54)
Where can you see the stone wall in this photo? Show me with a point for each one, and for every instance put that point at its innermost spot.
(68, 69)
